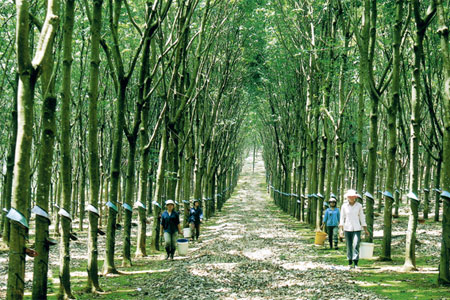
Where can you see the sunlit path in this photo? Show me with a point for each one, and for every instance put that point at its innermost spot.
(248, 252)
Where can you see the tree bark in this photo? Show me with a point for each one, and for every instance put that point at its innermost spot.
(48, 132)
(416, 103)
(392, 133)
(28, 74)
(159, 191)
(10, 164)
(94, 172)
(444, 265)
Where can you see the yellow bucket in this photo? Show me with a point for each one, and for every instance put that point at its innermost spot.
(320, 238)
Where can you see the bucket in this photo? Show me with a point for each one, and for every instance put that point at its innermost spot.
(182, 246)
(366, 250)
(320, 238)
(187, 232)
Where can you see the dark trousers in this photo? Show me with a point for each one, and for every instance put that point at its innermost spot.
(195, 228)
(332, 232)
(170, 240)
(353, 238)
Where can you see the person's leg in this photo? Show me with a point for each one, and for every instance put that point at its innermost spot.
(349, 243)
(330, 235)
(192, 225)
(356, 241)
(167, 243)
(173, 244)
(197, 230)
(335, 236)
(330, 241)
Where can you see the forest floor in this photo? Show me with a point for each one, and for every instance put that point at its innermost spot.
(251, 250)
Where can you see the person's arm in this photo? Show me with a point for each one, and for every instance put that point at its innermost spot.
(362, 220)
(342, 218)
(163, 222)
(201, 215)
(179, 224)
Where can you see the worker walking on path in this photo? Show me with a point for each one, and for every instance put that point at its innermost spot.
(195, 219)
(331, 221)
(170, 226)
(351, 223)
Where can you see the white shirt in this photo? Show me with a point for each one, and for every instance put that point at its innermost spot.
(352, 217)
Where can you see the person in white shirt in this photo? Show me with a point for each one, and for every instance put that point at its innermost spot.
(351, 223)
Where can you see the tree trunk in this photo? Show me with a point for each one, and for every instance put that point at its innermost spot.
(28, 74)
(366, 47)
(159, 190)
(143, 172)
(188, 160)
(410, 251)
(109, 266)
(94, 172)
(392, 133)
(426, 183)
(10, 164)
(129, 192)
(66, 158)
(48, 131)
(444, 265)
(323, 162)
(82, 183)
(143, 182)
(437, 185)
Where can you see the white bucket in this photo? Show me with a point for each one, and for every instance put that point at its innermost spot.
(187, 232)
(366, 250)
(183, 245)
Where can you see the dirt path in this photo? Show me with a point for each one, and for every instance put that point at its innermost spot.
(249, 253)
(250, 250)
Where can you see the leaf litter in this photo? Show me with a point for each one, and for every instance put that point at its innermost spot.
(245, 252)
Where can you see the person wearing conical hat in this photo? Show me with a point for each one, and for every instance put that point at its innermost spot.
(170, 227)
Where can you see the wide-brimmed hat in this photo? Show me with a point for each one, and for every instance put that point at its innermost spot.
(351, 194)
(170, 202)
(332, 200)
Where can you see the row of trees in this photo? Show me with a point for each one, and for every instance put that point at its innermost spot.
(355, 94)
(116, 105)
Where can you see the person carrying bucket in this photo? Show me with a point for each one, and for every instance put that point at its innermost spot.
(170, 226)
(351, 223)
(195, 219)
(331, 221)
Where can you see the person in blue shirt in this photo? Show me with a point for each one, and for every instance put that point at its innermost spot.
(195, 219)
(170, 226)
(331, 221)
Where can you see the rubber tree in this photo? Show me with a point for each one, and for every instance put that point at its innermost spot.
(94, 168)
(366, 41)
(48, 132)
(392, 109)
(132, 135)
(7, 190)
(443, 31)
(416, 104)
(144, 87)
(28, 70)
(177, 103)
(121, 79)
